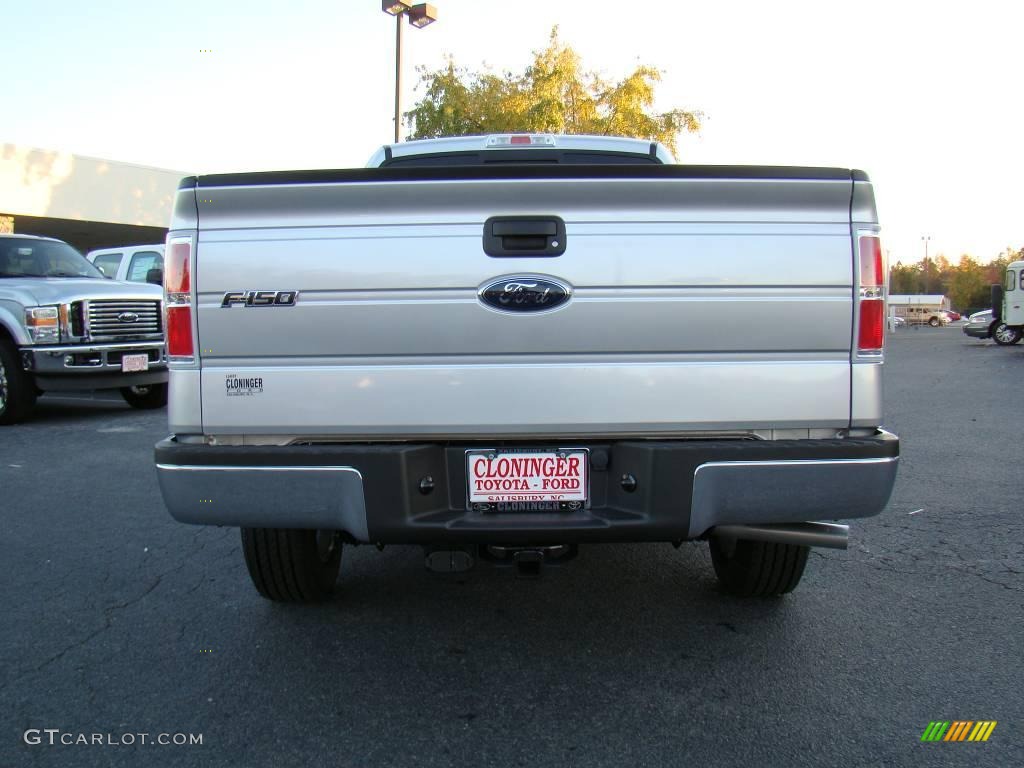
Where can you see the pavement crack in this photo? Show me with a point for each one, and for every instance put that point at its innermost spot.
(111, 610)
(60, 654)
(108, 613)
(981, 576)
(962, 565)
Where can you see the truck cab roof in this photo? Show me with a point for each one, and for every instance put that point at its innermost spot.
(524, 148)
(28, 237)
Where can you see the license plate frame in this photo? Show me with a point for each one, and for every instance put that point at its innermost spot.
(134, 363)
(539, 497)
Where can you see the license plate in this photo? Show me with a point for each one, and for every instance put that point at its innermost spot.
(498, 477)
(131, 363)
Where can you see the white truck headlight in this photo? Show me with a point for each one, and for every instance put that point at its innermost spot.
(43, 324)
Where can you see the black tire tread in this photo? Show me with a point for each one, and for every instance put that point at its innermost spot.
(759, 568)
(274, 567)
(155, 398)
(21, 391)
(289, 556)
(284, 566)
(251, 554)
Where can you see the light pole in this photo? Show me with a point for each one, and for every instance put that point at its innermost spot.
(419, 15)
(925, 239)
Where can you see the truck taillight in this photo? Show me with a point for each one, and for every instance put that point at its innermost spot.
(178, 298)
(177, 266)
(179, 332)
(871, 286)
(871, 334)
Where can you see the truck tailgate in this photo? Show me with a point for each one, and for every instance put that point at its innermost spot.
(698, 304)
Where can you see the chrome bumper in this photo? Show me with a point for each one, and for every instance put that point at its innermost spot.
(89, 358)
(757, 493)
(267, 497)
(401, 493)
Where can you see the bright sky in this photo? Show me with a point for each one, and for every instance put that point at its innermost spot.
(924, 96)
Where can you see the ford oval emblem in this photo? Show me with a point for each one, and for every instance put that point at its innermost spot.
(525, 294)
(127, 317)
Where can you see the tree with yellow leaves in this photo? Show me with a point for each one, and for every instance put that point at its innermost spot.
(553, 95)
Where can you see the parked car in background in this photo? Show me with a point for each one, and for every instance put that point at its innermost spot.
(925, 316)
(920, 308)
(132, 263)
(64, 327)
(982, 325)
(953, 315)
(979, 325)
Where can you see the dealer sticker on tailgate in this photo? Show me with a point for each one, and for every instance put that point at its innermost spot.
(497, 476)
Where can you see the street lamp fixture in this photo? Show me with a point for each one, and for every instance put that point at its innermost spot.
(420, 15)
(925, 239)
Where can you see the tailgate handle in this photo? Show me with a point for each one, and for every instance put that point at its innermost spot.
(524, 236)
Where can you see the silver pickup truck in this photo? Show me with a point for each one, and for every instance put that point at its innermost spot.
(502, 347)
(63, 326)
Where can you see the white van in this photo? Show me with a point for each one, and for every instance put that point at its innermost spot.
(132, 263)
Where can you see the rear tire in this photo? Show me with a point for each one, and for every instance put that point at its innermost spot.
(934, 322)
(1003, 334)
(757, 568)
(292, 565)
(146, 397)
(17, 390)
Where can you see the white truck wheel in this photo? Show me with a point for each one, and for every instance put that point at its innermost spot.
(1005, 335)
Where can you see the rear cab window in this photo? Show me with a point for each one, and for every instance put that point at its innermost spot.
(107, 263)
(141, 263)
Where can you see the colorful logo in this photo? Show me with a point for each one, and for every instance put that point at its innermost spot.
(958, 730)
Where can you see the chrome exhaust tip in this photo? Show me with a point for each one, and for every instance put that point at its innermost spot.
(831, 535)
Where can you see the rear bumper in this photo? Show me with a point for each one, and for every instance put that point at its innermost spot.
(976, 332)
(378, 493)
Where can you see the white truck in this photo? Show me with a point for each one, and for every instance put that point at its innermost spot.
(130, 263)
(503, 347)
(64, 327)
(1008, 306)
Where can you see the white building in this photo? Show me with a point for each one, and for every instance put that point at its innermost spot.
(89, 202)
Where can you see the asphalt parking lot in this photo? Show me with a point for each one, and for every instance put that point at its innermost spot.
(117, 620)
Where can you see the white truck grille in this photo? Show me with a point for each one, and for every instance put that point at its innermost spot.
(122, 317)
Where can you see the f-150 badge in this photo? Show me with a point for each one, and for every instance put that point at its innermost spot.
(260, 298)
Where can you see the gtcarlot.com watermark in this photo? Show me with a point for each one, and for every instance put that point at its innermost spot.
(55, 737)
